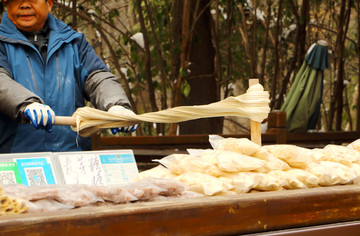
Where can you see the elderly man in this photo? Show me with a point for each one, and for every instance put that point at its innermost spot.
(46, 68)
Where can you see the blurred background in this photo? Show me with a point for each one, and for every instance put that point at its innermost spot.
(192, 52)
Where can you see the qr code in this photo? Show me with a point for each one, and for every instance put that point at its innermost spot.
(35, 176)
(7, 177)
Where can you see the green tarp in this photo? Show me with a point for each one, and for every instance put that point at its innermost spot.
(302, 104)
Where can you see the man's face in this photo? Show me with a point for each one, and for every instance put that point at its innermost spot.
(28, 15)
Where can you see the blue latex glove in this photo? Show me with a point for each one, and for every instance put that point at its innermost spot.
(40, 116)
(122, 110)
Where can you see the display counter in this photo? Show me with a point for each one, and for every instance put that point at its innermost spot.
(217, 215)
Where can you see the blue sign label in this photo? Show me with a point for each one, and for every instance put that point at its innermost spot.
(117, 158)
(35, 171)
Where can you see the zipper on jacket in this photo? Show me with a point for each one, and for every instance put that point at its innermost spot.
(58, 71)
(32, 73)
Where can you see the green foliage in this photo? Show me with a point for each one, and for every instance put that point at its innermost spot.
(113, 14)
(185, 88)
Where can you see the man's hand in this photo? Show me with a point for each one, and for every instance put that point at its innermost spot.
(122, 110)
(40, 116)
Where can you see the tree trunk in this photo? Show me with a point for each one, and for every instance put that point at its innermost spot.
(266, 42)
(201, 77)
(339, 94)
(299, 51)
(181, 21)
(216, 30)
(148, 74)
(160, 63)
(254, 52)
(229, 29)
(161, 60)
(175, 42)
(74, 14)
(304, 20)
(277, 56)
(336, 104)
(358, 85)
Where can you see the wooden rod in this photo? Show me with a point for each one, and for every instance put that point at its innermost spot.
(255, 127)
(65, 120)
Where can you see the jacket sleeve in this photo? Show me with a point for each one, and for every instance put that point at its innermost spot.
(104, 90)
(14, 97)
(101, 86)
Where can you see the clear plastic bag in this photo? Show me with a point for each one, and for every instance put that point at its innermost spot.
(143, 191)
(242, 182)
(331, 173)
(76, 196)
(306, 177)
(337, 153)
(204, 184)
(296, 157)
(240, 145)
(264, 181)
(156, 172)
(274, 163)
(112, 193)
(70, 195)
(228, 161)
(287, 180)
(183, 163)
(46, 205)
(170, 187)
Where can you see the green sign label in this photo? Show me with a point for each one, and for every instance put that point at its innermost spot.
(9, 173)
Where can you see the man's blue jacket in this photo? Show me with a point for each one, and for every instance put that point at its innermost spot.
(72, 72)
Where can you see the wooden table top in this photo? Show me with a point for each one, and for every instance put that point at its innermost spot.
(219, 215)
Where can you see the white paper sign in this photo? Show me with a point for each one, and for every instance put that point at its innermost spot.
(119, 168)
(99, 168)
(82, 169)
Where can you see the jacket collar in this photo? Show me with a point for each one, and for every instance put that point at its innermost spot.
(9, 30)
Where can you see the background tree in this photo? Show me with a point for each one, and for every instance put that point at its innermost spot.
(190, 52)
(198, 67)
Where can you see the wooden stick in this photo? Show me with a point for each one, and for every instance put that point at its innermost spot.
(65, 120)
(255, 127)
